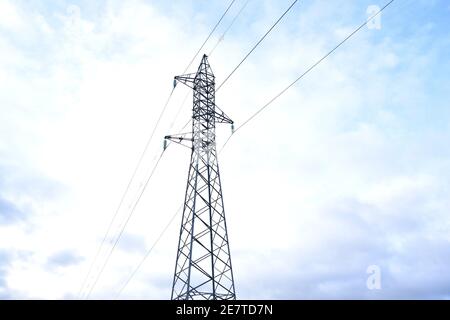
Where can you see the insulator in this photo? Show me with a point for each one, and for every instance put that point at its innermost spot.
(174, 83)
(232, 128)
(165, 144)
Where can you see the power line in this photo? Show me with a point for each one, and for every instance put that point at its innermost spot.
(125, 224)
(209, 36)
(129, 217)
(148, 252)
(222, 37)
(306, 72)
(257, 44)
(125, 192)
(178, 111)
(157, 239)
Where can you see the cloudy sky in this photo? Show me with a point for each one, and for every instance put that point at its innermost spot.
(349, 171)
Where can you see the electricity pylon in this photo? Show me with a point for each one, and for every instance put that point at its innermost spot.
(203, 263)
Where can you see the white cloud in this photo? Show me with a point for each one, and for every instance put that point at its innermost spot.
(10, 17)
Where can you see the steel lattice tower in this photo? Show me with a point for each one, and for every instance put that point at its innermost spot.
(203, 263)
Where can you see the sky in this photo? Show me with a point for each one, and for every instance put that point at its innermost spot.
(342, 183)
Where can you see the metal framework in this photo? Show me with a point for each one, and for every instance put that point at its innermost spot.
(203, 263)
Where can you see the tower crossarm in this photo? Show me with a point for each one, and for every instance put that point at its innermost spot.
(221, 117)
(186, 79)
(180, 139)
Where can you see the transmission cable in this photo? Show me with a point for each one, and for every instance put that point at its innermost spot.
(131, 213)
(125, 224)
(257, 44)
(148, 252)
(125, 192)
(210, 34)
(179, 111)
(157, 239)
(222, 37)
(306, 72)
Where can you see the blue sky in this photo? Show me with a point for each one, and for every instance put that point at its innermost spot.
(348, 169)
